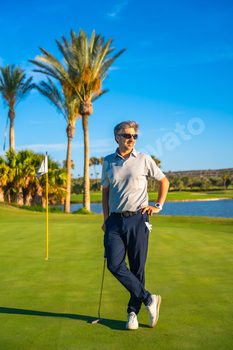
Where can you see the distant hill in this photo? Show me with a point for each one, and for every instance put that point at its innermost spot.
(198, 173)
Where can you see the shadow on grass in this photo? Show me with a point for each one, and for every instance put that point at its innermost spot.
(113, 324)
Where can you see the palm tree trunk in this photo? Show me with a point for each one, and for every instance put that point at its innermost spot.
(96, 177)
(37, 200)
(11, 115)
(19, 196)
(1, 195)
(28, 198)
(224, 182)
(70, 134)
(43, 201)
(86, 192)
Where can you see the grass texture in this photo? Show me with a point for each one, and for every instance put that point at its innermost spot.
(51, 304)
(171, 196)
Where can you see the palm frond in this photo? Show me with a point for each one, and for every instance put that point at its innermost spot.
(13, 85)
(96, 95)
(108, 63)
(52, 94)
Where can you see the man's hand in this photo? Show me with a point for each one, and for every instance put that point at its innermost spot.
(103, 227)
(150, 210)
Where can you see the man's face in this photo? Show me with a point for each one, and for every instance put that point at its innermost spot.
(125, 144)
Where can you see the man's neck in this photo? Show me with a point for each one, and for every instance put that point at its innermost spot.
(124, 153)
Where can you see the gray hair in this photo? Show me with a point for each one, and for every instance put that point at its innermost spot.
(125, 125)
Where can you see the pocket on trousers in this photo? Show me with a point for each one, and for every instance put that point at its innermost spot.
(108, 221)
(144, 219)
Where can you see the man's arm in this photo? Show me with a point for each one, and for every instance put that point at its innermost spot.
(105, 197)
(163, 189)
(162, 194)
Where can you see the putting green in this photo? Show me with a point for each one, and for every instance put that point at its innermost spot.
(51, 304)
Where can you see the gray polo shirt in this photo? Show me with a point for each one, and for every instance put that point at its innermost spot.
(127, 180)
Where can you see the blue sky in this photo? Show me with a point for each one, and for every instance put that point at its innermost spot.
(175, 78)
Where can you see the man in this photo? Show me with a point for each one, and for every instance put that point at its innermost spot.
(126, 224)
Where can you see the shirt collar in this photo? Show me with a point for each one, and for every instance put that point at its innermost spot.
(134, 153)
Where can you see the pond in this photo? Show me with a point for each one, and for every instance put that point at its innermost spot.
(216, 208)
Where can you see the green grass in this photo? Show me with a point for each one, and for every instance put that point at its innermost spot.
(50, 304)
(31, 208)
(95, 197)
(82, 211)
(172, 196)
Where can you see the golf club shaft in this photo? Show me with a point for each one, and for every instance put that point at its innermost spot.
(102, 284)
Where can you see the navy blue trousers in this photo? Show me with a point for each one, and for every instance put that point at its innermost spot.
(128, 236)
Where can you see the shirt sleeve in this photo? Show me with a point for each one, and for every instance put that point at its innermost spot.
(104, 179)
(153, 170)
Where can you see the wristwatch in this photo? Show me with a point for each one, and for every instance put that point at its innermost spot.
(159, 206)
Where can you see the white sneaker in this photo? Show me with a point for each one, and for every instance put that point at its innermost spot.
(132, 322)
(153, 309)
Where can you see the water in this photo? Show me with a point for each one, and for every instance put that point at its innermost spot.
(217, 209)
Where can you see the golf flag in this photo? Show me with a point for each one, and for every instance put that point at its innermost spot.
(43, 169)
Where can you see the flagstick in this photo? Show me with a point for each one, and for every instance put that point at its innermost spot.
(47, 214)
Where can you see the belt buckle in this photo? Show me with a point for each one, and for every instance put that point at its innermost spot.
(125, 214)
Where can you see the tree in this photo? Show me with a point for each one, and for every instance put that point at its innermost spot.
(14, 87)
(206, 183)
(152, 182)
(64, 163)
(16, 165)
(224, 174)
(229, 181)
(94, 161)
(187, 181)
(19, 182)
(86, 66)
(178, 183)
(30, 165)
(214, 181)
(4, 177)
(67, 103)
(157, 161)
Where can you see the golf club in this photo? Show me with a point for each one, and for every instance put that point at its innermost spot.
(100, 319)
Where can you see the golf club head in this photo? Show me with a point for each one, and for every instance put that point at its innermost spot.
(97, 321)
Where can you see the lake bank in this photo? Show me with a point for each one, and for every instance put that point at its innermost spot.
(170, 200)
(96, 197)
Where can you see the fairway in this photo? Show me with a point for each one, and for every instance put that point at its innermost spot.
(51, 304)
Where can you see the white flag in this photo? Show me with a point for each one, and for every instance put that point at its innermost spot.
(43, 167)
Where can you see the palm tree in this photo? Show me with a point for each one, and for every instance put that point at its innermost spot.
(94, 161)
(86, 66)
(224, 174)
(57, 182)
(57, 185)
(14, 88)
(157, 161)
(15, 163)
(72, 164)
(4, 177)
(67, 103)
(30, 166)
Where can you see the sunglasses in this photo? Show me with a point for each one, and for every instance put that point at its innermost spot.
(128, 136)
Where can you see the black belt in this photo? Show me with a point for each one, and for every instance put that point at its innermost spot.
(126, 214)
